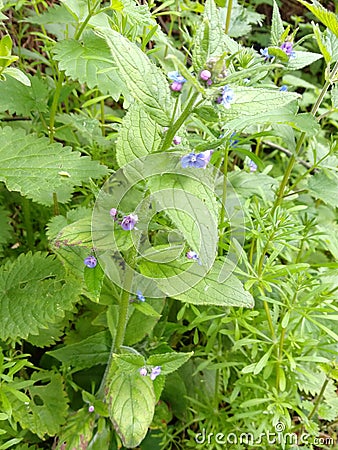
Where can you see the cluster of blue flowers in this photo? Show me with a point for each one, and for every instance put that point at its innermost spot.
(287, 48)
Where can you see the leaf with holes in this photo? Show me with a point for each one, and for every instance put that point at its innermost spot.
(34, 292)
(145, 81)
(36, 168)
(47, 408)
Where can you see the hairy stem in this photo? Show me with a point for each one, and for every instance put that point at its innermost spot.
(228, 17)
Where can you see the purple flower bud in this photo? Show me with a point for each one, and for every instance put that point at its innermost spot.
(90, 262)
(209, 82)
(129, 222)
(176, 86)
(113, 213)
(205, 75)
(140, 296)
(155, 372)
(252, 166)
(177, 140)
(91, 409)
(143, 372)
(192, 255)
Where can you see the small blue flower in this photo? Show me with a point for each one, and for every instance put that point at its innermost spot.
(176, 76)
(90, 262)
(91, 409)
(197, 161)
(232, 141)
(227, 96)
(265, 52)
(155, 372)
(283, 88)
(252, 166)
(129, 222)
(140, 296)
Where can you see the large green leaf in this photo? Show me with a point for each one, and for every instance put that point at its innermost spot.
(131, 401)
(217, 287)
(17, 98)
(34, 292)
(47, 408)
(302, 59)
(138, 136)
(324, 186)
(145, 81)
(90, 62)
(88, 353)
(36, 168)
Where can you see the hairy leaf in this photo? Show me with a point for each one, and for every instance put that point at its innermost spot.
(145, 81)
(138, 136)
(277, 27)
(34, 293)
(90, 62)
(36, 168)
(324, 186)
(328, 18)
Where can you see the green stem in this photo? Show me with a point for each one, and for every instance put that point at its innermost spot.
(268, 316)
(102, 117)
(54, 106)
(91, 13)
(228, 17)
(169, 136)
(280, 357)
(123, 308)
(224, 197)
(319, 398)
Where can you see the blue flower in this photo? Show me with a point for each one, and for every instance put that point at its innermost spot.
(176, 76)
(265, 52)
(252, 166)
(90, 262)
(155, 372)
(227, 97)
(232, 141)
(197, 161)
(140, 296)
(283, 88)
(129, 222)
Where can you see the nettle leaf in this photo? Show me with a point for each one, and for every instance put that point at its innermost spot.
(36, 168)
(90, 62)
(137, 14)
(216, 287)
(34, 292)
(145, 81)
(277, 28)
(209, 39)
(87, 353)
(47, 408)
(328, 18)
(131, 404)
(22, 99)
(323, 185)
(138, 136)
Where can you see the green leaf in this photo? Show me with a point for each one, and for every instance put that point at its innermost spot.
(138, 136)
(131, 401)
(302, 59)
(277, 27)
(94, 280)
(169, 362)
(147, 309)
(47, 408)
(77, 431)
(34, 292)
(250, 184)
(323, 185)
(5, 228)
(18, 75)
(334, 96)
(145, 81)
(87, 353)
(89, 61)
(218, 287)
(36, 168)
(21, 99)
(328, 18)
(321, 43)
